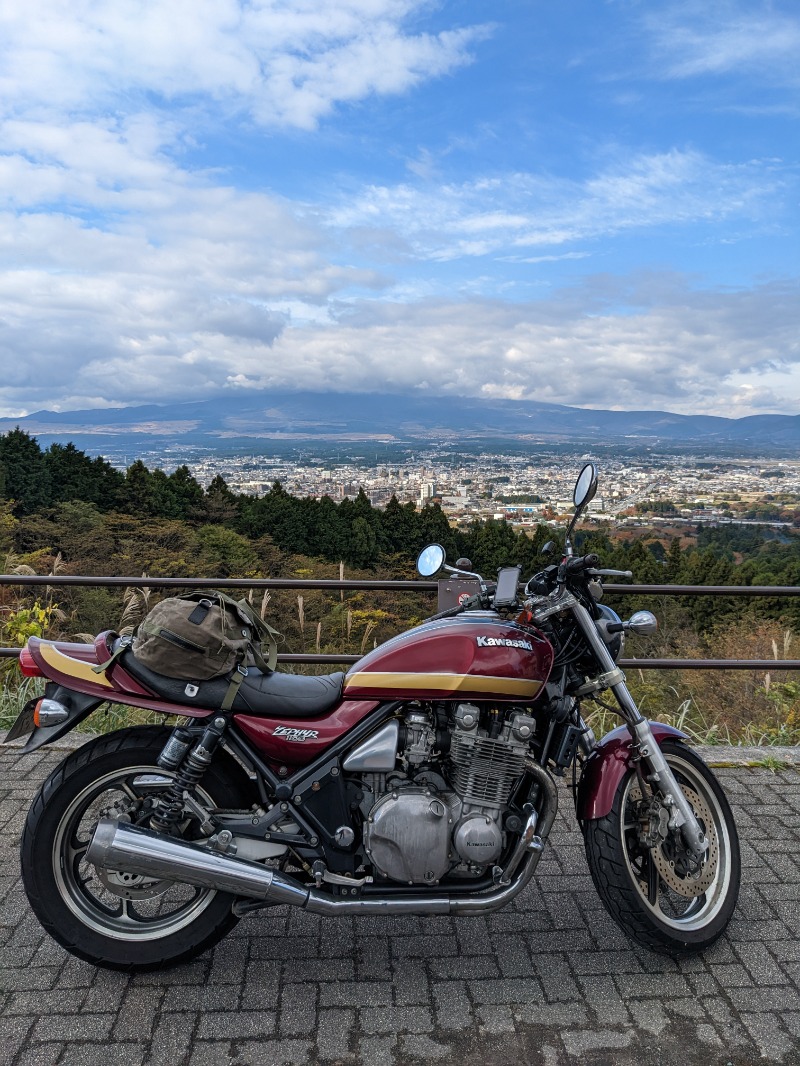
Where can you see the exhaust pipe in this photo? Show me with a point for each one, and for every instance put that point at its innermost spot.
(120, 846)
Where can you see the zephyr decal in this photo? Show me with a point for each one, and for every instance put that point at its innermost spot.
(502, 642)
(298, 735)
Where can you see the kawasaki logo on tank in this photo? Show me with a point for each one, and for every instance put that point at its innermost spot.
(502, 642)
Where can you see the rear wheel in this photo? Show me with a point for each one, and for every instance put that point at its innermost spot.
(647, 880)
(112, 918)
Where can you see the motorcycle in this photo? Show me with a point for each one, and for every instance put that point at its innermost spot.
(422, 781)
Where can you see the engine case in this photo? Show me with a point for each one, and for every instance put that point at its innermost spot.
(407, 834)
(478, 839)
(427, 826)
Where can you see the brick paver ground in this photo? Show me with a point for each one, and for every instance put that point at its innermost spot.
(550, 980)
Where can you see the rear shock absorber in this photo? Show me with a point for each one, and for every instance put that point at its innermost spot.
(189, 774)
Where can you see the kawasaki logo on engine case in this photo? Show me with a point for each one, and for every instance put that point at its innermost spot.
(503, 642)
(298, 735)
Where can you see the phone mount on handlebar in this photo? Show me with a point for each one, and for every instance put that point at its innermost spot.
(505, 593)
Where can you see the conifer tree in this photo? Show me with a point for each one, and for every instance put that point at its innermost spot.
(220, 505)
(26, 478)
(137, 493)
(187, 491)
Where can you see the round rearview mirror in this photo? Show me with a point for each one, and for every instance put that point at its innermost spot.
(585, 486)
(430, 560)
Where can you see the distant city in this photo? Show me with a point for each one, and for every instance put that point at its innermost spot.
(523, 489)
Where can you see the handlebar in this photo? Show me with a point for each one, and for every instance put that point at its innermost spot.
(582, 562)
(575, 564)
(588, 564)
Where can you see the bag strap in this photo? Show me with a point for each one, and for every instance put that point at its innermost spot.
(268, 637)
(122, 647)
(239, 674)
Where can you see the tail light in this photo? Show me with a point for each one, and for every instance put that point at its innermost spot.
(28, 665)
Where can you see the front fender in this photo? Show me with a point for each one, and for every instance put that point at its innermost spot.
(608, 764)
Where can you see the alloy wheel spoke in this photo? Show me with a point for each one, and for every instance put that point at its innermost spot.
(129, 792)
(77, 849)
(128, 912)
(652, 881)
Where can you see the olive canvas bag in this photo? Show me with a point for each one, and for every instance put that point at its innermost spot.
(203, 635)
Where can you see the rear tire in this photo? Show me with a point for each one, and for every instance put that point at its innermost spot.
(113, 919)
(653, 898)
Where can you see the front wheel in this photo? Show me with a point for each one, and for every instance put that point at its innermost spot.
(643, 873)
(112, 918)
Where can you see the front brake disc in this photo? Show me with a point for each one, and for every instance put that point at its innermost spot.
(684, 876)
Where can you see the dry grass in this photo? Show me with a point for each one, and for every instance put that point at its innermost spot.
(726, 706)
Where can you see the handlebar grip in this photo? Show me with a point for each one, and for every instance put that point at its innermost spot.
(582, 562)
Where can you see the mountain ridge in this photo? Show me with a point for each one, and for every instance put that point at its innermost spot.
(307, 415)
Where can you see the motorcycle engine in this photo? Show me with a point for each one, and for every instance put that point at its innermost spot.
(442, 814)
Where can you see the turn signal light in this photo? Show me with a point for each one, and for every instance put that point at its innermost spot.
(49, 712)
(27, 664)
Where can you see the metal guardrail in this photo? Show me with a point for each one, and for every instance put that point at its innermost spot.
(334, 585)
(344, 585)
(147, 582)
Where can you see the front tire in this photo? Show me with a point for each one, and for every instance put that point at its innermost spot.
(111, 918)
(652, 892)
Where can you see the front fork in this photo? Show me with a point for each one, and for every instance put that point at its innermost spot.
(661, 776)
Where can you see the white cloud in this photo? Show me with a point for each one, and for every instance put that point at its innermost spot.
(126, 276)
(527, 210)
(284, 63)
(153, 281)
(723, 36)
(677, 348)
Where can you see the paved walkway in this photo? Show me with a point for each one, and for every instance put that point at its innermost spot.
(549, 981)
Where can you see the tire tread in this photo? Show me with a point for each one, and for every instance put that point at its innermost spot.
(613, 881)
(141, 738)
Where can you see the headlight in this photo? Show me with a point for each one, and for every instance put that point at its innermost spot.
(615, 642)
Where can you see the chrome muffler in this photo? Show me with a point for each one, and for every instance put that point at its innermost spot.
(121, 846)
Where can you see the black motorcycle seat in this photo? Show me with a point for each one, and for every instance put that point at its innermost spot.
(270, 695)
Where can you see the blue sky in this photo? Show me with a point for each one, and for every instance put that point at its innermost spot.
(592, 202)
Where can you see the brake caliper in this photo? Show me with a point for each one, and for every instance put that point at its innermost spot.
(653, 818)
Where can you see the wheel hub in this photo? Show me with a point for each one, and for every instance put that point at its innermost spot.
(131, 886)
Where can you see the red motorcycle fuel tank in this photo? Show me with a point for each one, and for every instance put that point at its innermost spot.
(476, 656)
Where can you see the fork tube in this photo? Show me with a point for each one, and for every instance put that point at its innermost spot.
(682, 815)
